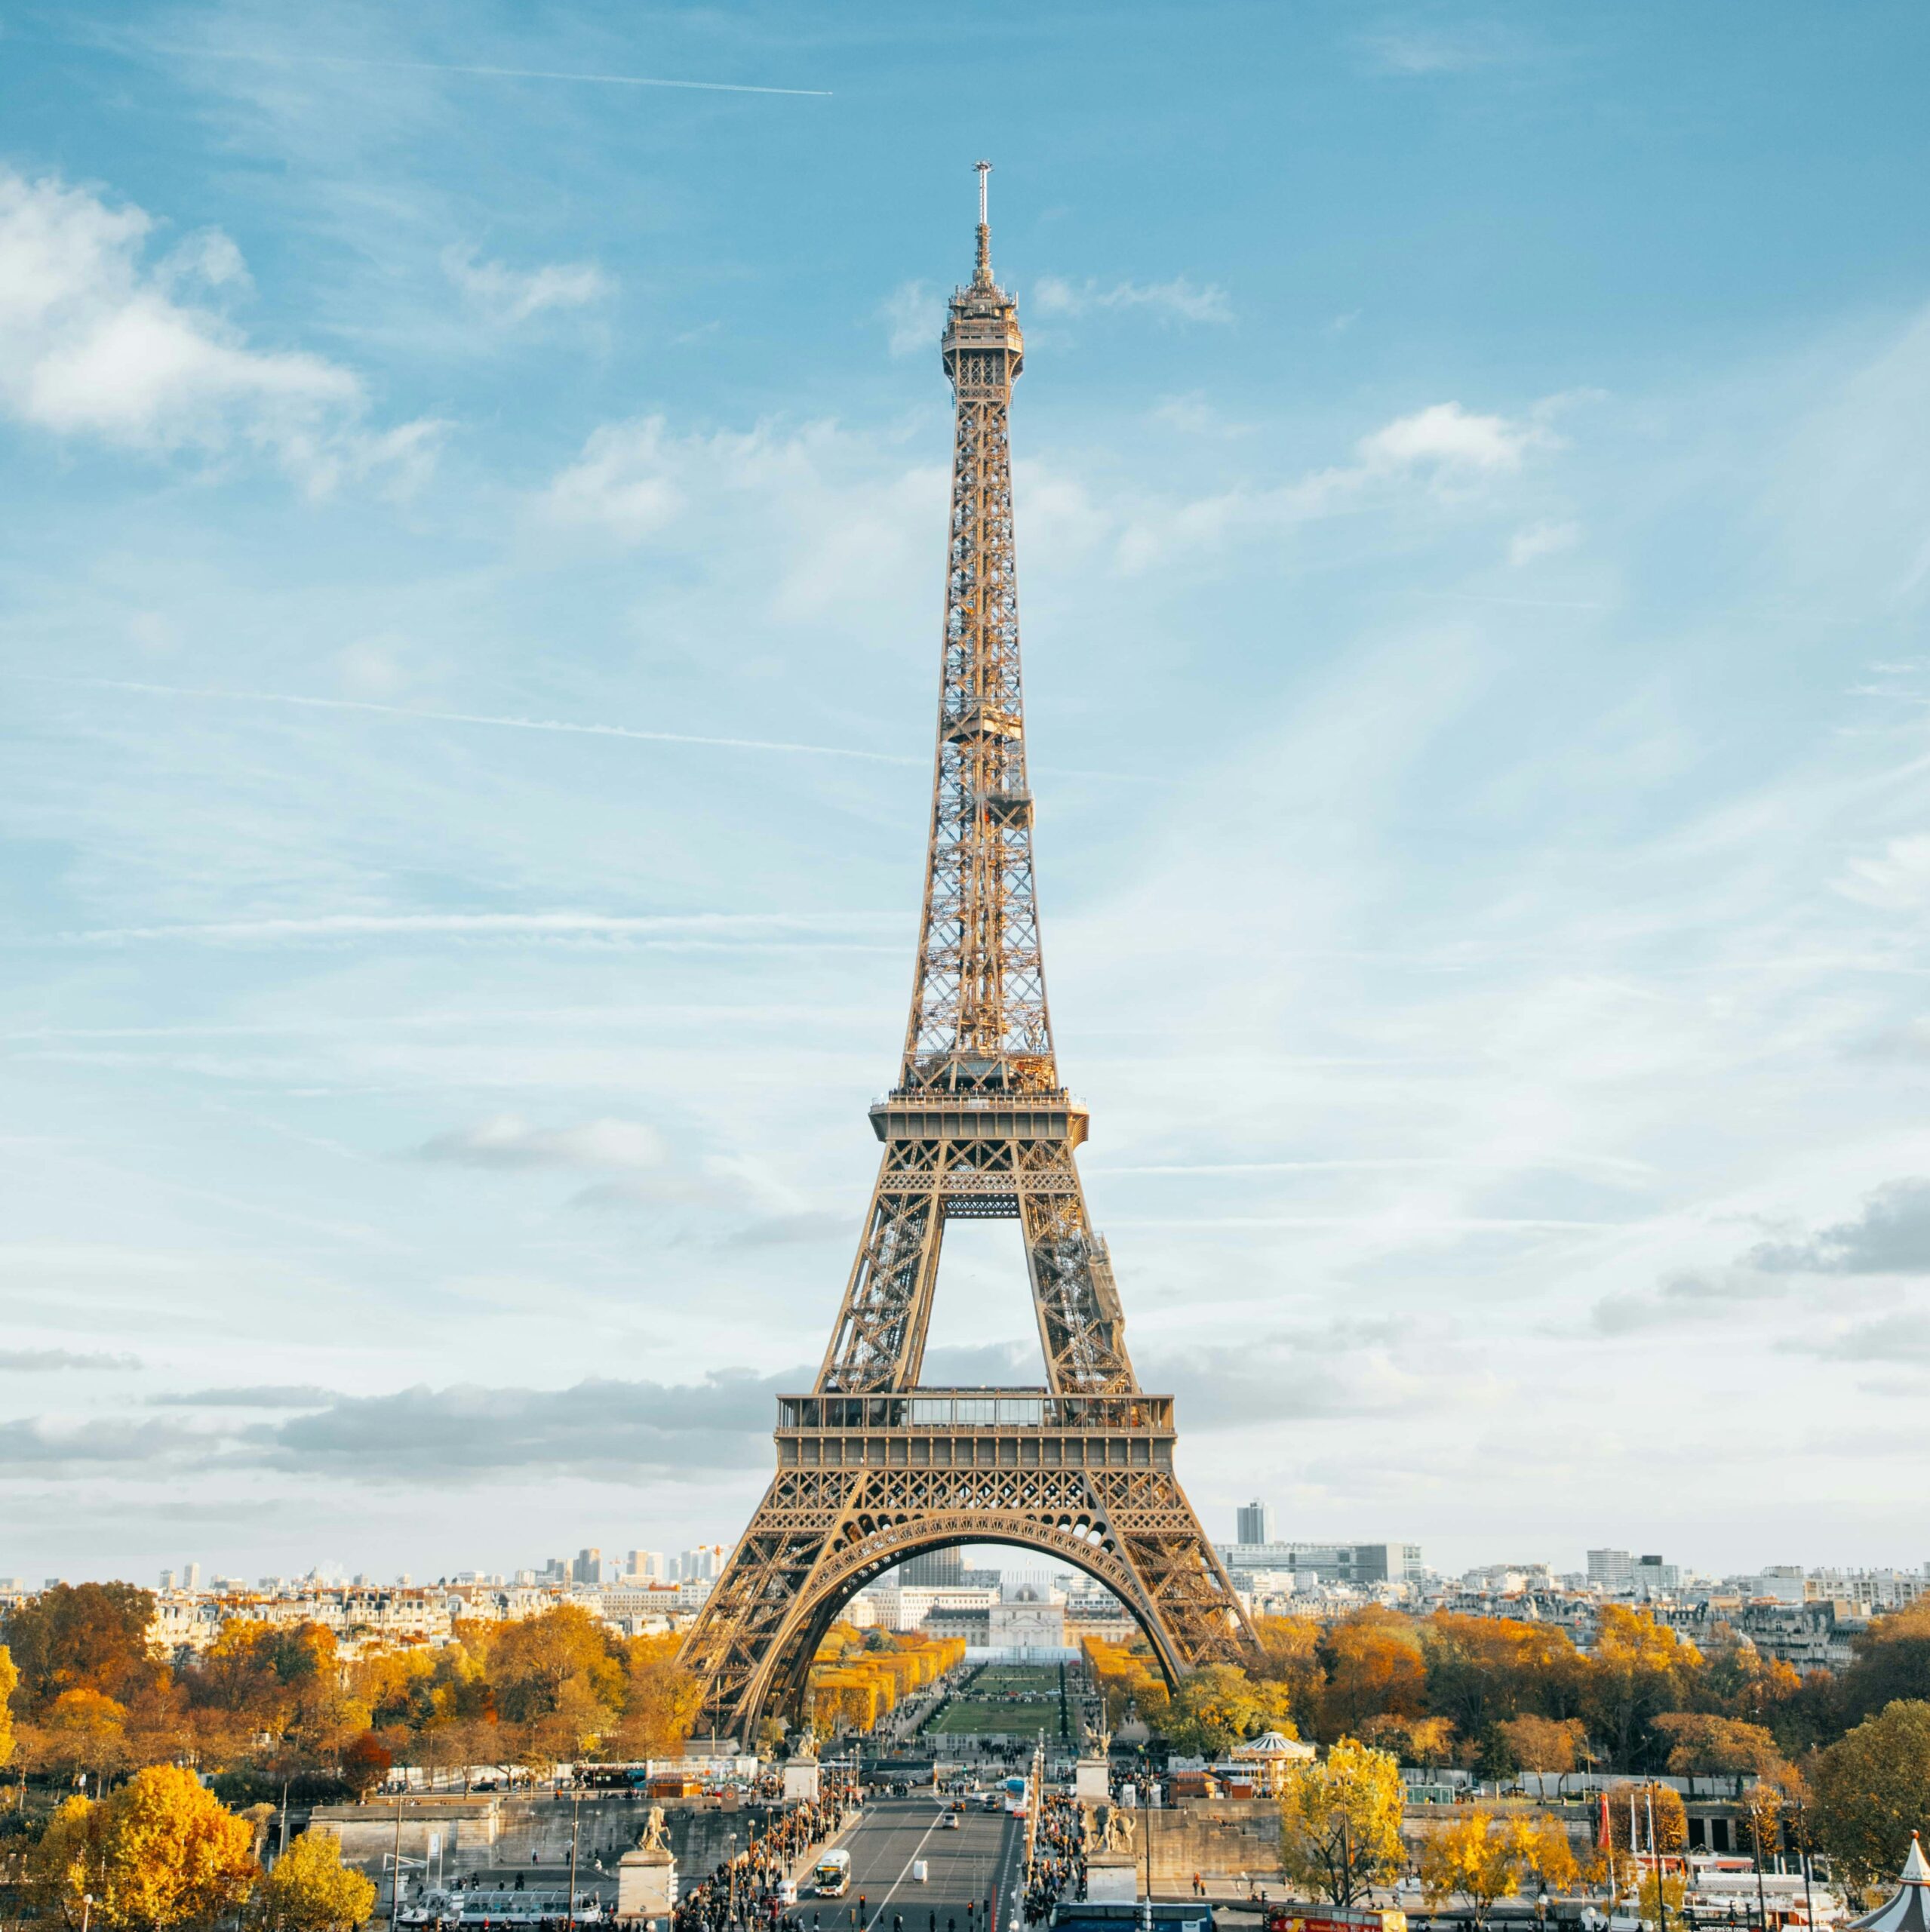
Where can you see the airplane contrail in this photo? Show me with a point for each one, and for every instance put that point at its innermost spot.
(473, 717)
(490, 73)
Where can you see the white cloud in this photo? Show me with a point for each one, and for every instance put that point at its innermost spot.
(94, 343)
(1446, 435)
(620, 482)
(915, 311)
(1541, 539)
(1444, 449)
(506, 296)
(1897, 877)
(1177, 300)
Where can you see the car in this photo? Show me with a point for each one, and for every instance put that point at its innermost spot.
(948, 1821)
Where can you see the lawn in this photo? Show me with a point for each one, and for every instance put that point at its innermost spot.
(1011, 1700)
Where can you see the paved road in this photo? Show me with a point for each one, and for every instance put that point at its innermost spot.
(979, 1860)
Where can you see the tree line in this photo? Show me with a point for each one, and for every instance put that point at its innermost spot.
(84, 1692)
(1498, 1697)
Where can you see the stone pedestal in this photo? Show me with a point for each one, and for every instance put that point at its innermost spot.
(800, 1780)
(1112, 1877)
(646, 1886)
(1091, 1781)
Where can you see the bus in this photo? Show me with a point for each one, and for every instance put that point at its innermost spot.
(1017, 1791)
(830, 1877)
(1333, 1918)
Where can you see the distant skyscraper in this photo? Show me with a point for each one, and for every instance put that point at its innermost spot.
(646, 1564)
(936, 1570)
(588, 1567)
(167, 1579)
(1254, 1523)
(190, 1576)
(1613, 1569)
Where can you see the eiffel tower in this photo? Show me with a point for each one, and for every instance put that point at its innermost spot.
(872, 1467)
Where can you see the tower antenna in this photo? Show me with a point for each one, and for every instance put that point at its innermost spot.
(982, 274)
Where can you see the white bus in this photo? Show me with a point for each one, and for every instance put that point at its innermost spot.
(832, 1875)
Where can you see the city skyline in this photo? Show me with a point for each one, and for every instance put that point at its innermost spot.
(468, 657)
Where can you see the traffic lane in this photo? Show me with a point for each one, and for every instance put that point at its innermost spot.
(964, 1865)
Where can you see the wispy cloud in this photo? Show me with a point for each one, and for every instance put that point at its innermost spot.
(1178, 300)
(1424, 51)
(298, 60)
(685, 930)
(566, 726)
(914, 312)
(37, 1360)
(506, 296)
(249, 1395)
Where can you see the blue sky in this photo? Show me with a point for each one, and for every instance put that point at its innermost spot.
(468, 628)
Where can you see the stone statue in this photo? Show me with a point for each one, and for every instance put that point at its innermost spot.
(654, 1837)
(1119, 1830)
(1105, 1743)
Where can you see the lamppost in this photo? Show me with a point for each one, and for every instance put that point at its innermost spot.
(576, 1823)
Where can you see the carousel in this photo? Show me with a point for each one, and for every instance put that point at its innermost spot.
(1908, 1910)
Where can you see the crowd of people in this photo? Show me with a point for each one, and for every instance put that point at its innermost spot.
(1058, 1857)
(742, 1893)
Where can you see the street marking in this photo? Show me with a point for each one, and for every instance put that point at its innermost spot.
(904, 1875)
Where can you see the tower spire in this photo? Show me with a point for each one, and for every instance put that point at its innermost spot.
(981, 275)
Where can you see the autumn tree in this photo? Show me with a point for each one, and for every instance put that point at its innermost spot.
(1485, 1857)
(1289, 1658)
(1340, 1821)
(1647, 1808)
(1640, 1669)
(1486, 1670)
(1892, 1662)
(555, 1680)
(1872, 1790)
(1374, 1666)
(162, 1852)
(1701, 1743)
(9, 1678)
(1544, 1744)
(661, 1699)
(310, 1890)
(83, 1636)
(1427, 1741)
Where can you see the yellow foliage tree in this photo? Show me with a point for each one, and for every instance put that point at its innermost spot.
(1486, 1856)
(310, 1890)
(9, 1679)
(1340, 1821)
(161, 1853)
(1472, 1858)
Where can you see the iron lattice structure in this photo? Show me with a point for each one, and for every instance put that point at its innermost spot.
(872, 1467)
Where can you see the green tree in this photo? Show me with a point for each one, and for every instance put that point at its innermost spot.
(1340, 1821)
(1892, 1663)
(310, 1890)
(1213, 1709)
(1872, 1790)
